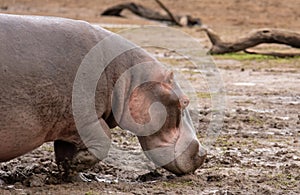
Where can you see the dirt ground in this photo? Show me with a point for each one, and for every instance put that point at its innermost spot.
(258, 150)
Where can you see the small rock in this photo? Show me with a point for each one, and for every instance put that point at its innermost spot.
(2, 183)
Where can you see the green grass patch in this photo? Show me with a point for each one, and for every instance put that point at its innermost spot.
(224, 142)
(245, 56)
(254, 120)
(282, 180)
(89, 193)
(203, 95)
(47, 148)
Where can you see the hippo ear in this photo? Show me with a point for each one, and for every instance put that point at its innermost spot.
(139, 103)
(170, 77)
(141, 99)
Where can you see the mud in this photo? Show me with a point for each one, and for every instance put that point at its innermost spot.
(258, 149)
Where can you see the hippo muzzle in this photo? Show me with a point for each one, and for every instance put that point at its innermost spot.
(182, 156)
(188, 161)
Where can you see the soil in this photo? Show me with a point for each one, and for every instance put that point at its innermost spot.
(258, 149)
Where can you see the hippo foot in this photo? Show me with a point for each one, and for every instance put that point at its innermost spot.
(83, 161)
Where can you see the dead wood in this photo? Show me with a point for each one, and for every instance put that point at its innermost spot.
(150, 14)
(136, 9)
(172, 17)
(254, 38)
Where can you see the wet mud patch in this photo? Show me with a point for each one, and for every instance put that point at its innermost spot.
(257, 151)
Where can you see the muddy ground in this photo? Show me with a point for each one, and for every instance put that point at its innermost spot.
(258, 150)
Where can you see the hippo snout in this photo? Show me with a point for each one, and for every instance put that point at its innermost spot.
(189, 160)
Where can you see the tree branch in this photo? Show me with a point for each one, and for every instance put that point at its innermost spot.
(150, 14)
(252, 39)
(173, 18)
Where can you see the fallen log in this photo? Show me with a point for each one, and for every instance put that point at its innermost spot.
(150, 14)
(254, 38)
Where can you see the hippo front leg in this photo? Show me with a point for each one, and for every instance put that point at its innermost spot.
(71, 159)
(64, 153)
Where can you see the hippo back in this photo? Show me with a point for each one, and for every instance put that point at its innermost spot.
(39, 57)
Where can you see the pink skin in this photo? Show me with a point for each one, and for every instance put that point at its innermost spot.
(180, 138)
(36, 81)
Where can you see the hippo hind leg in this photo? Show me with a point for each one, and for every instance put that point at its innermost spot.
(70, 160)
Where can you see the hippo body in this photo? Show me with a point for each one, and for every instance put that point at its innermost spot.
(39, 58)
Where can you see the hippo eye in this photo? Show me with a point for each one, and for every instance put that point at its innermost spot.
(184, 102)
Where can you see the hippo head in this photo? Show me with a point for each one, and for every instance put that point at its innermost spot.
(158, 110)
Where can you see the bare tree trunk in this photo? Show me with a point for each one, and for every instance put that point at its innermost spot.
(150, 14)
(254, 38)
(136, 9)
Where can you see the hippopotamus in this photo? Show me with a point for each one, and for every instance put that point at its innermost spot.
(40, 58)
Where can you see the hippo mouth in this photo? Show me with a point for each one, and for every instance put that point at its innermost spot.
(187, 161)
(178, 159)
